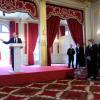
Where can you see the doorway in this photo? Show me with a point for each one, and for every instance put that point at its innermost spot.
(62, 44)
(4, 49)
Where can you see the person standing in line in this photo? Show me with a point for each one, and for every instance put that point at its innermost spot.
(14, 39)
(82, 56)
(91, 60)
(95, 54)
(79, 55)
(70, 53)
(98, 57)
(77, 49)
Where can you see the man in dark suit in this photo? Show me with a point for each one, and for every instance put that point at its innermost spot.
(98, 57)
(82, 56)
(14, 39)
(91, 59)
(70, 53)
(79, 56)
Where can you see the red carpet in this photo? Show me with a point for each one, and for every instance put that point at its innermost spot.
(52, 90)
(30, 74)
(64, 89)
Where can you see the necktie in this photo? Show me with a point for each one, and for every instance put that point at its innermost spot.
(14, 40)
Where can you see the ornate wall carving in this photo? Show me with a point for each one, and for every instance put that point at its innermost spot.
(10, 6)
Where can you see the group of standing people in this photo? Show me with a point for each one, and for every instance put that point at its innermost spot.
(90, 58)
(79, 51)
(92, 54)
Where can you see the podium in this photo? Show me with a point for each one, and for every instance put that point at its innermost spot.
(17, 55)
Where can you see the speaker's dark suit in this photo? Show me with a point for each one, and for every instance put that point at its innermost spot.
(12, 49)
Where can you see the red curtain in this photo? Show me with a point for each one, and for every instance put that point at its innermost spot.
(0, 55)
(62, 30)
(64, 12)
(52, 29)
(12, 27)
(32, 39)
(17, 30)
(76, 30)
(58, 33)
(25, 36)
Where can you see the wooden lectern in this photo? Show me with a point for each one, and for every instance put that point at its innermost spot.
(17, 55)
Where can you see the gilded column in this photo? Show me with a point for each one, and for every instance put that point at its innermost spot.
(88, 24)
(43, 33)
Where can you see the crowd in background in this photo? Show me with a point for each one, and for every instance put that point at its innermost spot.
(80, 60)
(88, 57)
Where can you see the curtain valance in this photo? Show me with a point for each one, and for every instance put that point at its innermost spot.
(10, 6)
(64, 12)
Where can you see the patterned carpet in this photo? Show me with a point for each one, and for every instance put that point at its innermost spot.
(68, 89)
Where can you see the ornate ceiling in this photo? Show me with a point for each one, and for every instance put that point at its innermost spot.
(86, 0)
(72, 0)
(26, 16)
(62, 0)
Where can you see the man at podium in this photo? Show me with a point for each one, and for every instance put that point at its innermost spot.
(14, 39)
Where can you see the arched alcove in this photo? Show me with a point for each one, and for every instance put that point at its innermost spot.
(24, 6)
(27, 6)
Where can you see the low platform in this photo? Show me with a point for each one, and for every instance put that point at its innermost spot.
(30, 74)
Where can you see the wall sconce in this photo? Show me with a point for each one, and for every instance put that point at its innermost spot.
(98, 32)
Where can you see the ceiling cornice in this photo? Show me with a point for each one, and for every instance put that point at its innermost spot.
(87, 1)
(68, 3)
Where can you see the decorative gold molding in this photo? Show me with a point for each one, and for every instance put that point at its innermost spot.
(97, 11)
(87, 0)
